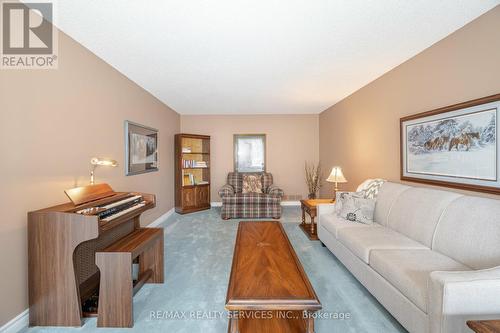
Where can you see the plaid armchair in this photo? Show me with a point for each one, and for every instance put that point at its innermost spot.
(235, 204)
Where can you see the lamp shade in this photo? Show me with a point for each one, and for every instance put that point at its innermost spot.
(336, 176)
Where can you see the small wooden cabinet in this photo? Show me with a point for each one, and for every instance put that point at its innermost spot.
(192, 173)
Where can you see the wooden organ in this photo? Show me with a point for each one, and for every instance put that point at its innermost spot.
(63, 243)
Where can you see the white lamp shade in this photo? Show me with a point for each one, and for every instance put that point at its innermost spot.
(336, 176)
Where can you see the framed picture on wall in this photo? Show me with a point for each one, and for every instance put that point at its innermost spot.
(454, 146)
(141, 148)
(249, 152)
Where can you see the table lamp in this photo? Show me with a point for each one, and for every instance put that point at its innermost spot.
(96, 161)
(336, 176)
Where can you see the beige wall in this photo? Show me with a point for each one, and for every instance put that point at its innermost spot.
(51, 123)
(361, 133)
(291, 140)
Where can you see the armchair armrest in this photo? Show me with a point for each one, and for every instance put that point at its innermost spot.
(226, 190)
(275, 191)
(455, 297)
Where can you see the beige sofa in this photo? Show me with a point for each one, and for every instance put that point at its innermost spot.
(432, 258)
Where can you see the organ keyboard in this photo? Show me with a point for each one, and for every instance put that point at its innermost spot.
(62, 243)
(115, 209)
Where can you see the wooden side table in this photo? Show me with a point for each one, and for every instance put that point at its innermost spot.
(309, 206)
(484, 326)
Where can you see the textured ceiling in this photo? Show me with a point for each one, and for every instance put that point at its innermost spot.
(248, 57)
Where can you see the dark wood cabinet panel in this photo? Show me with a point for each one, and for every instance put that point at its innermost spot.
(202, 196)
(192, 172)
(188, 197)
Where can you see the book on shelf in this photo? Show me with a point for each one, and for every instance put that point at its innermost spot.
(188, 179)
(186, 149)
(202, 182)
(194, 164)
(200, 164)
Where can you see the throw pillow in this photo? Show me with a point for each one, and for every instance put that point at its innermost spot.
(252, 184)
(357, 209)
(371, 189)
(341, 197)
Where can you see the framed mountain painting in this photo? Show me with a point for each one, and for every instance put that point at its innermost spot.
(141, 148)
(455, 146)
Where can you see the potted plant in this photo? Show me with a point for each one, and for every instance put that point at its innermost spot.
(313, 179)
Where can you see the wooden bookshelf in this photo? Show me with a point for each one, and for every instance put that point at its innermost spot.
(192, 173)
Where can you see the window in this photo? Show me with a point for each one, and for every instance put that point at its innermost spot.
(249, 152)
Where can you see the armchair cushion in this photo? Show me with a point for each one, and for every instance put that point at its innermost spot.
(251, 205)
(250, 199)
(235, 179)
(267, 181)
(226, 190)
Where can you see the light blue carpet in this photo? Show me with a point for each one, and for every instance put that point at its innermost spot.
(198, 254)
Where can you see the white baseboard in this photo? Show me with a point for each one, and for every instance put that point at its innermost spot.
(21, 321)
(290, 203)
(161, 219)
(16, 324)
(283, 203)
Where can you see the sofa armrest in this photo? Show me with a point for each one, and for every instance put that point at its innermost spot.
(326, 208)
(455, 297)
(226, 190)
(275, 191)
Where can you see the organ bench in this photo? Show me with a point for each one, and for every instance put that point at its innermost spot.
(115, 264)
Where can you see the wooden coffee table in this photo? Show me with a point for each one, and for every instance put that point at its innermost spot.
(484, 326)
(309, 206)
(268, 292)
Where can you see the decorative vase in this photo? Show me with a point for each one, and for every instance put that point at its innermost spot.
(312, 196)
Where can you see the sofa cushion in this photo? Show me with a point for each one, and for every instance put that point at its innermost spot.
(469, 232)
(416, 212)
(387, 195)
(334, 223)
(363, 240)
(408, 270)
